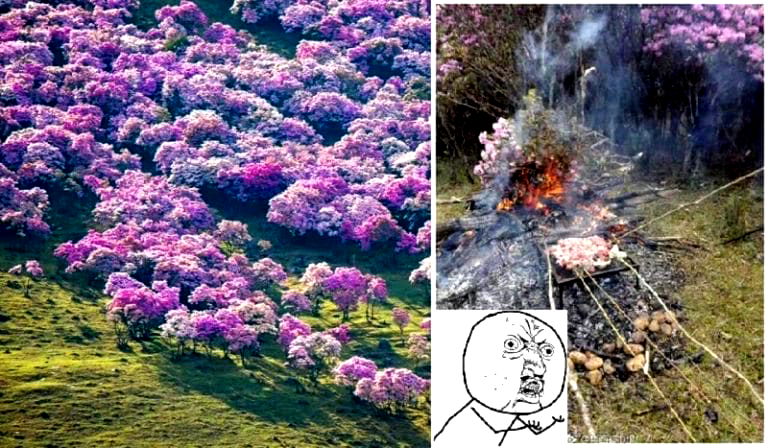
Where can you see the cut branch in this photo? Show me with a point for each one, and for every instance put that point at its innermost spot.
(549, 282)
(744, 235)
(452, 200)
(696, 202)
(583, 408)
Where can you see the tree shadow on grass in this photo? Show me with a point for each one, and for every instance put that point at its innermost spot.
(262, 390)
(295, 252)
(267, 390)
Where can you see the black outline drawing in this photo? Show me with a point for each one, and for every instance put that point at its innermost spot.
(512, 347)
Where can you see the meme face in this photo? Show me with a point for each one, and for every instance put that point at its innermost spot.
(514, 363)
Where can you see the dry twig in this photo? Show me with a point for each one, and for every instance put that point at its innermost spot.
(452, 200)
(549, 282)
(742, 236)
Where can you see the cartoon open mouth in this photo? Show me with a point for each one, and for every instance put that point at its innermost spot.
(531, 387)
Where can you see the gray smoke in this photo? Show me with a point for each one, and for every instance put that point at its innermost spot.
(586, 34)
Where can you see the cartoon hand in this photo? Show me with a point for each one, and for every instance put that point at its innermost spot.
(534, 425)
(558, 419)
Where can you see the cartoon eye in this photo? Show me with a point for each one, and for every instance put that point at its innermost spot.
(547, 349)
(513, 344)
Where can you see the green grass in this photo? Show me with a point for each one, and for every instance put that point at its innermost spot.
(270, 34)
(722, 297)
(448, 187)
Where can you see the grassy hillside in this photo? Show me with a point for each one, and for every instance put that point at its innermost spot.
(64, 383)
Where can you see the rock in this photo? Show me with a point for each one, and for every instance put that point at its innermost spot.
(584, 310)
(638, 337)
(595, 377)
(571, 366)
(609, 347)
(666, 329)
(641, 323)
(594, 363)
(636, 364)
(633, 349)
(577, 357)
(711, 415)
(608, 367)
(658, 315)
(581, 342)
(654, 326)
(670, 316)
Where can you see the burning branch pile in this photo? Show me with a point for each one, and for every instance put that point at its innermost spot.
(542, 182)
(533, 152)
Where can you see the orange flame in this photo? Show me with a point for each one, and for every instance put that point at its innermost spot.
(536, 183)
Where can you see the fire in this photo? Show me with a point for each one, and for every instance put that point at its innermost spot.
(533, 183)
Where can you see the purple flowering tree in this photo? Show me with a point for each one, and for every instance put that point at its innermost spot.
(290, 328)
(352, 370)
(296, 301)
(419, 347)
(401, 317)
(340, 333)
(32, 268)
(313, 353)
(706, 30)
(391, 389)
(377, 292)
(347, 287)
(136, 309)
(314, 279)
(178, 326)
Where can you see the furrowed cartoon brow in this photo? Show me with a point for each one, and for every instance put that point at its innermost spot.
(530, 331)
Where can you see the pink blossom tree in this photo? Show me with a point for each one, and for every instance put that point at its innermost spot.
(401, 318)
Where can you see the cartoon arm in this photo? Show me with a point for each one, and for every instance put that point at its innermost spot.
(451, 418)
(533, 425)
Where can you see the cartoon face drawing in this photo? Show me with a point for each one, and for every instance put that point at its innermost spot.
(514, 363)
